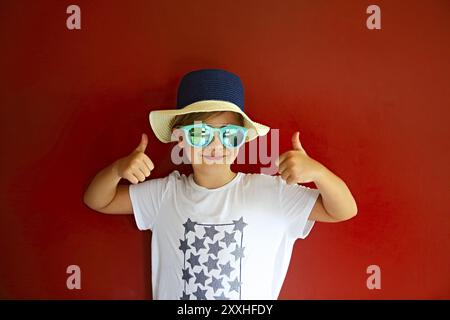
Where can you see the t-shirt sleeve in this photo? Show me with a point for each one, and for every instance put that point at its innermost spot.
(296, 203)
(146, 198)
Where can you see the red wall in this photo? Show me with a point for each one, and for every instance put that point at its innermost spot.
(372, 105)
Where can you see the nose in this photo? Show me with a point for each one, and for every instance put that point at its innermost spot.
(215, 145)
(216, 140)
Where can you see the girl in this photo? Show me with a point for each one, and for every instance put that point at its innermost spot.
(219, 234)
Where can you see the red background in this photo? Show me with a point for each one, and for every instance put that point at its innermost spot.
(371, 105)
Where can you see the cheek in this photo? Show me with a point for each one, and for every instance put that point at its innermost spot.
(232, 155)
(193, 153)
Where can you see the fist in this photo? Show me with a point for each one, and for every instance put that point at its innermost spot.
(295, 166)
(137, 166)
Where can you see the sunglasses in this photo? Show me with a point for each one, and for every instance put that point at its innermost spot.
(201, 135)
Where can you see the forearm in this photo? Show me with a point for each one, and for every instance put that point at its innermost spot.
(337, 199)
(103, 187)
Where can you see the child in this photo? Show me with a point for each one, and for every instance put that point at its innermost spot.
(219, 234)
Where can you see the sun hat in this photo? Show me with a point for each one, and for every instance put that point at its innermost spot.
(205, 90)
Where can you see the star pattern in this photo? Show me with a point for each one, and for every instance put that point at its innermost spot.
(189, 226)
(213, 255)
(186, 275)
(216, 283)
(211, 264)
(210, 232)
(193, 260)
(226, 269)
(200, 277)
(238, 252)
(214, 248)
(183, 246)
(200, 294)
(228, 238)
(239, 224)
(198, 244)
(235, 285)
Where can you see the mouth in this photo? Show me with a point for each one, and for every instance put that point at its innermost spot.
(213, 157)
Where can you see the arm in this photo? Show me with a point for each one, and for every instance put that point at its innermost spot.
(105, 195)
(335, 202)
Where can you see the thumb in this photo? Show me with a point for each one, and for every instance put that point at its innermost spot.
(143, 144)
(296, 144)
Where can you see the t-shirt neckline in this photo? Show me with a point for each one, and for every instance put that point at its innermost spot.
(229, 184)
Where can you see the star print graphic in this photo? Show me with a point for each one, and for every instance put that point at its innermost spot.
(183, 246)
(214, 248)
(239, 224)
(200, 294)
(234, 285)
(212, 259)
(189, 226)
(198, 244)
(228, 238)
(211, 264)
(210, 232)
(216, 283)
(193, 260)
(226, 269)
(238, 252)
(200, 277)
(186, 275)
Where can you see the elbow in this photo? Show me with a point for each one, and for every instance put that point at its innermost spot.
(355, 209)
(348, 215)
(86, 200)
(88, 203)
(352, 213)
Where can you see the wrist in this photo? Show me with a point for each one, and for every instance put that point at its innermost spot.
(114, 169)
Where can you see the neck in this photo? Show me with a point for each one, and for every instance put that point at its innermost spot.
(213, 178)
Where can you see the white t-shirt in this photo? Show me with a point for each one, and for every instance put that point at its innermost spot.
(234, 242)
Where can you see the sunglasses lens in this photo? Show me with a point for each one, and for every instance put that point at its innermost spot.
(198, 136)
(233, 137)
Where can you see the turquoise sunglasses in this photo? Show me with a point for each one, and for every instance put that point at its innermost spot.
(201, 135)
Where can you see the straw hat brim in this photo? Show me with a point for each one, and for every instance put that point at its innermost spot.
(161, 121)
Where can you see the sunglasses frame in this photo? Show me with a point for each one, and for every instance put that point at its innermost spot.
(221, 131)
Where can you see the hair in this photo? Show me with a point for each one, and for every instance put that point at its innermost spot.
(189, 118)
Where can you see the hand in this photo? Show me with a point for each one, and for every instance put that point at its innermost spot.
(137, 166)
(295, 166)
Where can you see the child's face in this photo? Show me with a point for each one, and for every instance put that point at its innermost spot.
(215, 153)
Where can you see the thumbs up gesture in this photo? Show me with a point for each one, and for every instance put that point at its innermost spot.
(295, 166)
(136, 166)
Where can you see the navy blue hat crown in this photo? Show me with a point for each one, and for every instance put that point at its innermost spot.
(210, 84)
